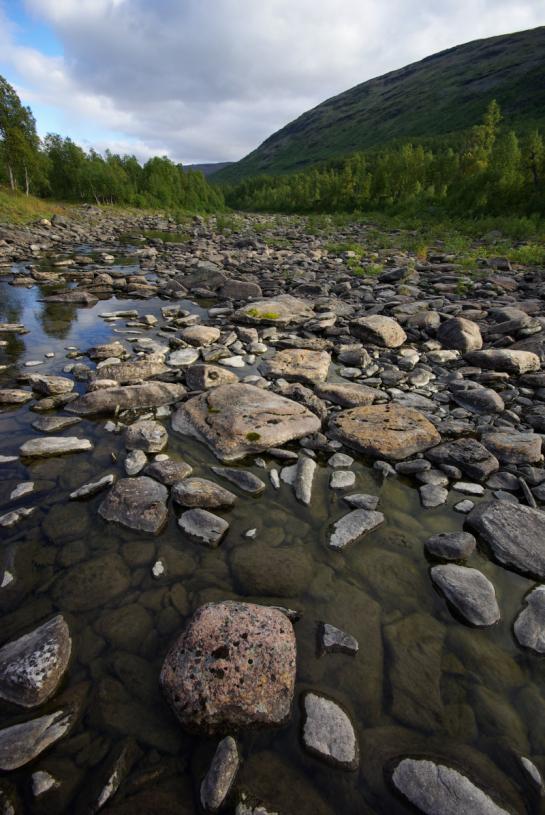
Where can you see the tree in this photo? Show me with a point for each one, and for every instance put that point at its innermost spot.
(20, 145)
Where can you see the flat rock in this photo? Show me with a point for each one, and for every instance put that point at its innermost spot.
(199, 492)
(204, 526)
(54, 446)
(347, 396)
(232, 667)
(93, 487)
(435, 789)
(282, 310)
(219, 779)
(168, 472)
(479, 400)
(50, 385)
(378, 330)
(182, 357)
(530, 623)
(14, 396)
(91, 584)
(243, 479)
(514, 533)
(108, 400)
(297, 365)
(52, 424)
(32, 667)
(388, 431)
(328, 732)
(271, 571)
(514, 448)
(127, 373)
(234, 420)
(469, 455)
(504, 359)
(469, 591)
(137, 503)
(352, 526)
(451, 545)
(77, 296)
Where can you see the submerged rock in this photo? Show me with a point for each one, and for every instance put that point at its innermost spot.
(232, 667)
(328, 732)
(199, 492)
(469, 591)
(32, 667)
(147, 435)
(138, 503)
(451, 545)
(219, 779)
(352, 526)
(54, 446)
(234, 420)
(530, 623)
(204, 526)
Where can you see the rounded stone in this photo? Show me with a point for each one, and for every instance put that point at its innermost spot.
(233, 667)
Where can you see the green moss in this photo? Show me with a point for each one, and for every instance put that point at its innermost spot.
(253, 436)
(262, 315)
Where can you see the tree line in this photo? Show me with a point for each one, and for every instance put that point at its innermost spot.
(489, 171)
(56, 167)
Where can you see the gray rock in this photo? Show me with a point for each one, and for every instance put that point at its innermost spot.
(361, 500)
(328, 732)
(514, 448)
(168, 472)
(183, 357)
(203, 377)
(479, 400)
(219, 779)
(129, 373)
(352, 526)
(514, 533)
(51, 424)
(14, 396)
(469, 591)
(204, 526)
(32, 667)
(504, 359)
(54, 446)
(473, 459)
(243, 479)
(460, 334)
(451, 545)
(297, 365)
(282, 310)
(439, 790)
(234, 420)
(347, 395)
(147, 435)
(135, 462)
(50, 385)
(378, 330)
(93, 487)
(199, 492)
(304, 478)
(530, 623)
(334, 640)
(340, 460)
(432, 495)
(137, 503)
(110, 400)
(342, 479)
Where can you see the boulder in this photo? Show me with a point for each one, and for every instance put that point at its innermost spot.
(388, 431)
(514, 533)
(234, 420)
(137, 503)
(378, 330)
(233, 667)
(109, 400)
(32, 667)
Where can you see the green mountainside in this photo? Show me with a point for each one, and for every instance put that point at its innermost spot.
(440, 95)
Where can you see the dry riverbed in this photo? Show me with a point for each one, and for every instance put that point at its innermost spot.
(271, 524)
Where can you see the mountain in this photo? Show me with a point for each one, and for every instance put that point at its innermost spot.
(439, 95)
(208, 169)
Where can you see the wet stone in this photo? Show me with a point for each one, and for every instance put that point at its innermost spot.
(530, 623)
(52, 424)
(91, 584)
(93, 487)
(147, 435)
(137, 503)
(232, 667)
(342, 479)
(333, 640)
(279, 571)
(451, 545)
(243, 479)
(328, 732)
(219, 779)
(203, 526)
(199, 492)
(54, 446)
(351, 527)
(469, 591)
(168, 472)
(135, 462)
(473, 459)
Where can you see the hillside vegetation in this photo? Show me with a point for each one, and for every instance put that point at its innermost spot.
(439, 96)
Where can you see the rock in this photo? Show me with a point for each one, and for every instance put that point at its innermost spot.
(347, 396)
(469, 455)
(219, 779)
(297, 365)
(451, 545)
(530, 623)
(461, 334)
(514, 448)
(352, 526)
(282, 310)
(340, 460)
(128, 373)
(51, 424)
(240, 290)
(328, 732)
(361, 500)
(109, 400)
(232, 667)
(147, 435)
(203, 377)
(333, 641)
(415, 648)
(234, 420)
(342, 479)
(378, 330)
(115, 350)
(76, 296)
(183, 357)
(200, 335)
(22, 743)
(504, 359)
(204, 526)
(135, 462)
(432, 495)
(50, 385)
(514, 533)
(91, 584)
(279, 571)
(94, 487)
(54, 446)
(243, 479)
(384, 431)
(304, 478)
(303, 395)
(14, 396)
(469, 591)
(168, 472)
(32, 667)
(112, 773)
(439, 790)
(479, 400)
(137, 503)
(199, 492)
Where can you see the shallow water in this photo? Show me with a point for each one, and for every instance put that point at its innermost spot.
(421, 683)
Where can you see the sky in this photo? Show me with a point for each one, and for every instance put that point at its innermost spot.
(209, 80)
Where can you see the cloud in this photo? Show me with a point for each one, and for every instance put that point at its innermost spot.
(205, 80)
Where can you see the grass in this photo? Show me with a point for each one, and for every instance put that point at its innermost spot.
(17, 208)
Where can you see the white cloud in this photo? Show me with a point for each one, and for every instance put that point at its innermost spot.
(208, 80)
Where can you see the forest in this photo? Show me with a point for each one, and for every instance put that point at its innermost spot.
(56, 167)
(488, 170)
